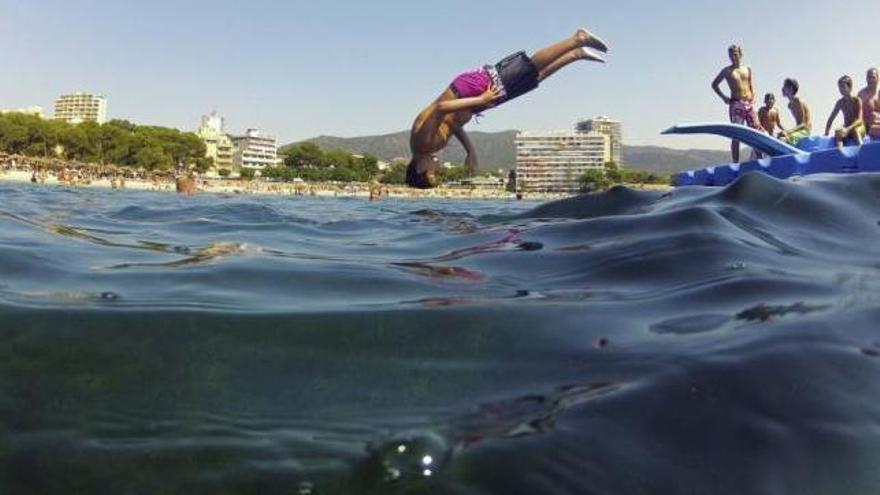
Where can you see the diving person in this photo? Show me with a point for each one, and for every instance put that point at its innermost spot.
(486, 87)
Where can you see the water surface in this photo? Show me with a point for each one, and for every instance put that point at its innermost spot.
(701, 341)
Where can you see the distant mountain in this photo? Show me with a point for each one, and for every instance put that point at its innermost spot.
(668, 161)
(496, 150)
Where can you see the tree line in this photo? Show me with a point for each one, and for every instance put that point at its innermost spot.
(307, 161)
(117, 142)
(613, 174)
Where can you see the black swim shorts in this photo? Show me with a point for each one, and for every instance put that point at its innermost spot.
(518, 75)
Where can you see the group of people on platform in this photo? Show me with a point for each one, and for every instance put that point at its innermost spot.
(861, 112)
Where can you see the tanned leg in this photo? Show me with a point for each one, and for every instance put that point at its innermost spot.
(582, 38)
(734, 150)
(568, 58)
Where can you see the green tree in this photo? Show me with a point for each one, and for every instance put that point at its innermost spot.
(337, 159)
(614, 173)
(595, 180)
(304, 155)
(452, 174)
(203, 164)
(248, 174)
(395, 174)
(153, 158)
(117, 142)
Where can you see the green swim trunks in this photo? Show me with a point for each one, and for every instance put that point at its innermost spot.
(863, 131)
(795, 137)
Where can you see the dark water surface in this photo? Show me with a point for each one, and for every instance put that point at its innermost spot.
(708, 341)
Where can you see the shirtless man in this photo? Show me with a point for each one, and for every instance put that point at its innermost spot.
(487, 87)
(851, 106)
(768, 115)
(803, 117)
(742, 94)
(871, 104)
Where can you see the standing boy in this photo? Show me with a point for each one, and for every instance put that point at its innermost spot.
(742, 94)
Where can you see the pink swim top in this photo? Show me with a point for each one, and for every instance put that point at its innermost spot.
(472, 84)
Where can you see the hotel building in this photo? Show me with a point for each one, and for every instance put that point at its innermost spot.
(81, 107)
(611, 128)
(255, 150)
(555, 161)
(218, 145)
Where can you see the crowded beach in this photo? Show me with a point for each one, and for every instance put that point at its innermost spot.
(55, 172)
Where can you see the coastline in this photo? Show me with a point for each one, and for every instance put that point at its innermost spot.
(266, 188)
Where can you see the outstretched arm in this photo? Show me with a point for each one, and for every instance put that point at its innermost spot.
(470, 162)
(486, 99)
(716, 86)
(831, 118)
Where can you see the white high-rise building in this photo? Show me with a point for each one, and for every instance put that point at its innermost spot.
(611, 128)
(556, 161)
(218, 145)
(255, 150)
(81, 107)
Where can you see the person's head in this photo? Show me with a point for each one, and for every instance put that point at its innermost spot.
(769, 99)
(735, 52)
(421, 172)
(845, 84)
(790, 88)
(873, 77)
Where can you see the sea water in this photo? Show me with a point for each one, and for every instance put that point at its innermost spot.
(718, 341)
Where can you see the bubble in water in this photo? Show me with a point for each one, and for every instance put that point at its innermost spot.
(109, 296)
(410, 457)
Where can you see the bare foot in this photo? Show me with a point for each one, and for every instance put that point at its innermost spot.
(586, 39)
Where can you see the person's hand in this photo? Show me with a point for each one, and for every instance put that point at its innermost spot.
(840, 133)
(491, 96)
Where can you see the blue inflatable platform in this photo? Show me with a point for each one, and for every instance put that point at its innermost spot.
(814, 155)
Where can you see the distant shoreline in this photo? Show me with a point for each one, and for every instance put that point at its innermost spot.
(265, 188)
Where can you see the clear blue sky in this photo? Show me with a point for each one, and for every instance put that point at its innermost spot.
(302, 68)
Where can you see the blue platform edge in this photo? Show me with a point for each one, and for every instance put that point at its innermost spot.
(846, 160)
(813, 155)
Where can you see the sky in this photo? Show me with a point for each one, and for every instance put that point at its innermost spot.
(303, 68)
